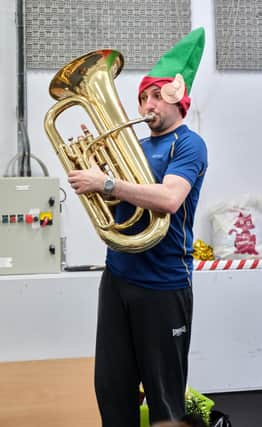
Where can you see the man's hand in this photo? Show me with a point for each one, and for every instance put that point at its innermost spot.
(88, 180)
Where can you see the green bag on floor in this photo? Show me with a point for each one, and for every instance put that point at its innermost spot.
(196, 404)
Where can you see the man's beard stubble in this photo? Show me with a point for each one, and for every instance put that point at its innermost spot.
(157, 125)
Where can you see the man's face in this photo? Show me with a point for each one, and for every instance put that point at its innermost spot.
(166, 115)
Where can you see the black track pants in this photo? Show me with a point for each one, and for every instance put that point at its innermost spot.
(142, 335)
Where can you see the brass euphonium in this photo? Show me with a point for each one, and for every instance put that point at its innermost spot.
(88, 81)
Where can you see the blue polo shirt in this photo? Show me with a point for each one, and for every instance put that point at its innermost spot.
(169, 264)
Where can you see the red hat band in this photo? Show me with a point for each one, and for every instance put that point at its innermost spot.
(147, 81)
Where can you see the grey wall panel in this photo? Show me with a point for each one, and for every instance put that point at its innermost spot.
(58, 31)
(238, 34)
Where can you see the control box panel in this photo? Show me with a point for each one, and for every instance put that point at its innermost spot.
(29, 225)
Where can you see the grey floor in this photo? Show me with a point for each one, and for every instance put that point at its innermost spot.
(244, 408)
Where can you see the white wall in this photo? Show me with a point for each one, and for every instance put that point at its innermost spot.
(226, 110)
(53, 316)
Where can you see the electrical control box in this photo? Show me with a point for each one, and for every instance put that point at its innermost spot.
(29, 225)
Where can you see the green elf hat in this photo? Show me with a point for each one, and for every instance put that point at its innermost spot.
(176, 69)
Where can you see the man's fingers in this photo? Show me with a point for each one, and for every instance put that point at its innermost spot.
(72, 179)
(73, 173)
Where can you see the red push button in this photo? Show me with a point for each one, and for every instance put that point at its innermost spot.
(12, 219)
(29, 219)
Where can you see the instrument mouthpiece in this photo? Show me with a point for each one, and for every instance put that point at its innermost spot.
(149, 117)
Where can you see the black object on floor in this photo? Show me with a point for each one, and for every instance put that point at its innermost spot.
(84, 268)
(219, 419)
(244, 408)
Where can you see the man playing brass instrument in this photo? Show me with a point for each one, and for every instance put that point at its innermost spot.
(145, 299)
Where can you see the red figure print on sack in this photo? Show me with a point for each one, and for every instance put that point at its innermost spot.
(245, 242)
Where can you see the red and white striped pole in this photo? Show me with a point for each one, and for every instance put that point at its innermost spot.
(228, 264)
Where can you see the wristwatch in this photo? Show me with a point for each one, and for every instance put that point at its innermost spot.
(109, 184)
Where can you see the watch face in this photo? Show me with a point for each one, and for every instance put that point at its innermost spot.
(109, 185)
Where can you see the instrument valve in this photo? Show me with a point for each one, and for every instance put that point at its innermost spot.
(85, 129)
(88, 135)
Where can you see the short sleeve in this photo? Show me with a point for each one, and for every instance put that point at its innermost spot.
(188, 158)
